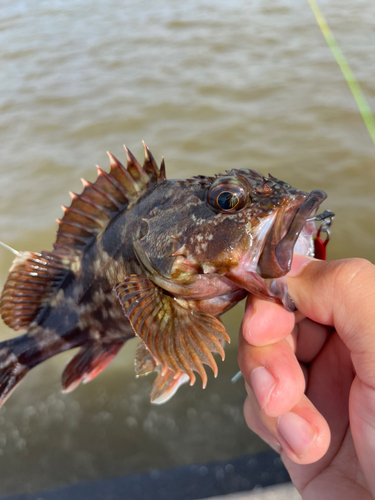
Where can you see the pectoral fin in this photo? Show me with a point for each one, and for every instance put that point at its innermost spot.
(179, 338)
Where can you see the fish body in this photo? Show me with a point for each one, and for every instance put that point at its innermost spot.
(137, 254)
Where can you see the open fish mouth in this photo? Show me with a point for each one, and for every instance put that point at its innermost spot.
(276, 257)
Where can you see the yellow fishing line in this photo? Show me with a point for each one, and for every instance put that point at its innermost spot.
(347, 72)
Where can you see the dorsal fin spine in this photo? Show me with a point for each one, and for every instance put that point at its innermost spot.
(73, 237)
(118, 168)
(162, 169)
(133, 164)
(90, 217)
(103, 193)
(66, 249)
(91, 211)
(150, 160)
(91, 202)
(74, 225)
(114, 183)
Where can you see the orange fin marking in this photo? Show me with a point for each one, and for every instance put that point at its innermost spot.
(91, 211)
(87, 364)
(180, 339)
(32, 280)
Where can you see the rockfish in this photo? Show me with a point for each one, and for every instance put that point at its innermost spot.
(137, 254)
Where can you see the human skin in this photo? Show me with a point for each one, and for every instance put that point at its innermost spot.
(310, 377)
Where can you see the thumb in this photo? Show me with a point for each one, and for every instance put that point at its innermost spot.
(342, 294)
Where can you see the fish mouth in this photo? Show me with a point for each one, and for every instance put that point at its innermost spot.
(277, 254)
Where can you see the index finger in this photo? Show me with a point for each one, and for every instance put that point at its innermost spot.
(341, 294)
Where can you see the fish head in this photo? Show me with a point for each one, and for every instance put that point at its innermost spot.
(208, 242)
(251, 222)
(241, 226)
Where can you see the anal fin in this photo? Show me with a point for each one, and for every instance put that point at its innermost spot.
(90, 360)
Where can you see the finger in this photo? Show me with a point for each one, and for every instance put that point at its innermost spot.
(253, 421)
(274, 375)
(310, 339)
(341, 294)
(265, 322)
(302, 433)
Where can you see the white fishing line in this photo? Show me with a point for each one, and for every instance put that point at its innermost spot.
(9, 248)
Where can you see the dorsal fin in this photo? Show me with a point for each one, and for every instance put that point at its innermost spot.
(91, 211)
(32, 280)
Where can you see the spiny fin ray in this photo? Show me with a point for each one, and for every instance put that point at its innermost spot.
(179, 339)
(90, 360)
(101, 201)
(32, 280)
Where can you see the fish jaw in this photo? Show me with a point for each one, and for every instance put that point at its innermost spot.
(261, 270)
(277, 255)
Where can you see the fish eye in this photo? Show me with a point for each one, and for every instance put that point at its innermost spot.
(227, 195)
(227, 200)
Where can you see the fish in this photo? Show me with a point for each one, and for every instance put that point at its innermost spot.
(137, 254)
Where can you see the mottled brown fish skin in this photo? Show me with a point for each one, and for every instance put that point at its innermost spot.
(94, 251)
(138, 254)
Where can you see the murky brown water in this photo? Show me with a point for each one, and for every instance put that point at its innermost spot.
(209, 85)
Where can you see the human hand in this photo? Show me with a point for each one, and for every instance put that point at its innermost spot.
(310, 377)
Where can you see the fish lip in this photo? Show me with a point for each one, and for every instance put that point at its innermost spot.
(276, 258)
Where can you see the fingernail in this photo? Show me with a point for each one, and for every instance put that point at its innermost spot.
(298, 263)
(297, 432)
(262, 383)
